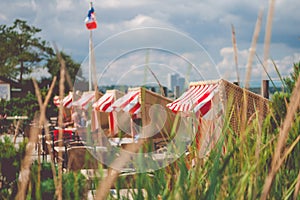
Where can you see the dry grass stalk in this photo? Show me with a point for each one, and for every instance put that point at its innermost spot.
(43, 122)
(26, 163)
(113, 172)
(235, 53)
(17, 131)
(283, 135)
(260, 120)
(249, 69)
(33, 139)
(253, 49)
(268, 34)
(68, 78)
(58, 191)
(297, 187)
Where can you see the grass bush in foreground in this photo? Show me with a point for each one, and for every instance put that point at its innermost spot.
(237, 174)
(74, 184)
(241, 171)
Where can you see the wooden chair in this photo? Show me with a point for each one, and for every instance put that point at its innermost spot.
(80, 157)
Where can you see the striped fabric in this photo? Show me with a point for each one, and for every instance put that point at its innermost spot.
(84, 101)
(195, 99)
(105, 102)
(198, 99)
(128, 103)
(56, 100)
(67, 101)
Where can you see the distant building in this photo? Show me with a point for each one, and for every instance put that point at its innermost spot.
(4, 90)
(176, 80)
(181, 84)
(172, 81)
(11, 89)
(8, 88)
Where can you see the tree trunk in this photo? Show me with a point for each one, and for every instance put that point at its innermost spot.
(21, 71)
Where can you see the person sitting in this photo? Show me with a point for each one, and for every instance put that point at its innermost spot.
(76, 119)
(68, 122)
(83, 119)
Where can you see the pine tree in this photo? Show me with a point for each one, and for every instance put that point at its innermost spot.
(21, 50)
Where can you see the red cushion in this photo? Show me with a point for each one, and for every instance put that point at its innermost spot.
(67, 134)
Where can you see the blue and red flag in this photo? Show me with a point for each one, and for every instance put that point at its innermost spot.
(90, 20)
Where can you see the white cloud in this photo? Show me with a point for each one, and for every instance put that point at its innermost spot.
(285, 65)
(228, 69)
(138, 21)
(39, 73)
(117, 4)
(228, 61)
(208, 22)
(33, 4)
(3, 17)
(64, 5)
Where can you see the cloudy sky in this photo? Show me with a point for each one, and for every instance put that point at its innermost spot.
(192, 38)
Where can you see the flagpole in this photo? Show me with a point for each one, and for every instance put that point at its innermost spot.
(90, 60)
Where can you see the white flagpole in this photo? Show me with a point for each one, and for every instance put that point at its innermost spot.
(90, 60)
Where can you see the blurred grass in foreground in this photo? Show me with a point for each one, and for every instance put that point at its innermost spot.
(241, 171)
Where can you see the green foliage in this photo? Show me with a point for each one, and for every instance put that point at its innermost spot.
(21, 50)
(237, 173)
(73, 68)
(240, 171)
(290, 81)
(5, 54)
(278, 106)
(10, 164)
(26, 106)
(7, 148)
(281, 99)
(47, 189)
(74, 184)
(9, 151)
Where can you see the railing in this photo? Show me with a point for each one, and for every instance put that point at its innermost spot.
(16, 117)
(12, 127)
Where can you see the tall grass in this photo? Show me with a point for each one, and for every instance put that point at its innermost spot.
(241, 172)
(260, 161)
(236, 174)
(261, 158)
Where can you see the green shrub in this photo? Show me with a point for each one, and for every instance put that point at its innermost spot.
(74, 184)
(10, 164)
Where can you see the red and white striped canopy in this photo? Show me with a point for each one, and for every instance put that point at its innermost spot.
(104, 103)
(67, 101)
(128, 103)
(56, 100)
(84, 101)
(196, 98)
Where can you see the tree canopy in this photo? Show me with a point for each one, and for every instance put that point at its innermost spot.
(21, 50)
(72, 68)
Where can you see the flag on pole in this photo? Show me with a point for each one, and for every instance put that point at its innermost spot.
(90, 20)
